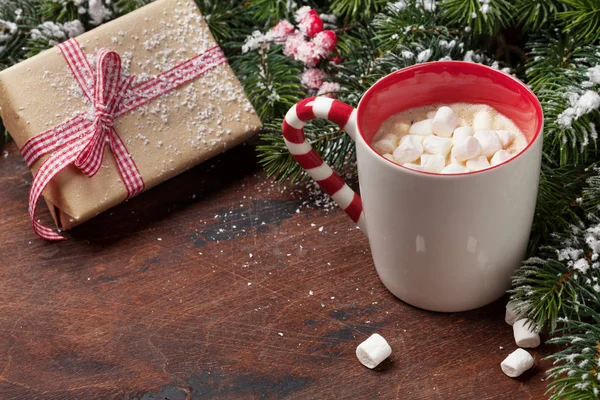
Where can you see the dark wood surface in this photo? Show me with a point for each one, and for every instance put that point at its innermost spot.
(160, 299)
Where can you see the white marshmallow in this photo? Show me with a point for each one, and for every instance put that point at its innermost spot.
(389, 157)
(416, 167)
(444, 122)
(478, 163)
(420, 138)
(516, 363)
(409, 150)
(437, 145)
(500, 157)
(506, 138)
(454, 169)
(401, 128)
(455, 161)
(490, 142)
(421, 128)
(433, 163)
(384, 146)
(525, 335)
(373, 351)
(461, 132)
(482, 120)
(466, 148)
(511, 313)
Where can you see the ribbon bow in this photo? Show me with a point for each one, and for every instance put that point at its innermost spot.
(82, 139)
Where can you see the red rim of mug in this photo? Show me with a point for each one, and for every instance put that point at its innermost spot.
(384, 82)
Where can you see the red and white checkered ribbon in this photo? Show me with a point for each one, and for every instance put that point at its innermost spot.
(81, 140)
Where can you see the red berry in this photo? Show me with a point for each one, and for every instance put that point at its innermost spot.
(311, 24)
(326, 41)
(282, 29)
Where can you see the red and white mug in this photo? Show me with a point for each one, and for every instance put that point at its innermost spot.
(439, 242)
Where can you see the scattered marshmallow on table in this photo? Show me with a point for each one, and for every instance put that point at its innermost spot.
(421, 128)
(489, 141)
(500, 156)
(516, 363)
(437, 145)
(478, 163)
(466, 148)
(444, 122)
(511, 313)
(373, 351)
(525, 335)
(482, 120)
(408, 151)
(433, 163)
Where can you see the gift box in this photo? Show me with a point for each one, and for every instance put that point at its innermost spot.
(125, 106)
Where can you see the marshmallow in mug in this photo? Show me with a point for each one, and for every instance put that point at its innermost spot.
(449, 139)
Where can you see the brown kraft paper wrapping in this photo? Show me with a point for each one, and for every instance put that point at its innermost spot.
(165, 137)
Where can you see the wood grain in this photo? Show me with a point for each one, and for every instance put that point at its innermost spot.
(160, 299)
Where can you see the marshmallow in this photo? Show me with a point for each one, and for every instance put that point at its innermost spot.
(490, 142)
(433, 163)
(506, 138)
(389, 157)
(401, 128)
(384, 146)
(454, 169)
(516, 363)
(482, 120)
(409, 150)
(421, 128)
(437, 145)
(420, 138)
(478, 163)
(462, 131)
(466, 148)
(444, 122)
(416, 167)
(525, 335)
(500, 157)
(511, 313)
(373, 351)
(455, 161)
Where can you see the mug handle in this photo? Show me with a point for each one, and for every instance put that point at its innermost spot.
(293, 134)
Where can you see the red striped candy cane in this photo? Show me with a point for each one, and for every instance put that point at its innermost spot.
(293, 134)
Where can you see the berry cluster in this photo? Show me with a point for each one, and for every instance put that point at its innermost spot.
(309, 44)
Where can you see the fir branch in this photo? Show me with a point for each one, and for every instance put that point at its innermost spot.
(481, 17)
(559, 203)
(333, 144)
(407, 23)
(271, 80)
(357, 10)
(24, 15)
(58, 10)
(269, 12)
(558, 66)
(229, 21)
(562, 283)
(576, 375)
(582, 20)
(535, 14)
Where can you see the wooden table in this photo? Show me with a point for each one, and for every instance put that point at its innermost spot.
(219, 284)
